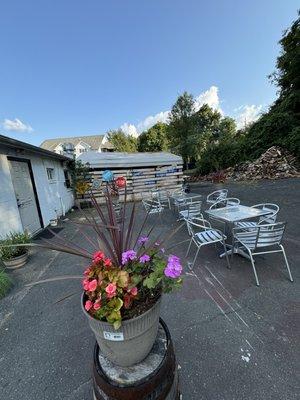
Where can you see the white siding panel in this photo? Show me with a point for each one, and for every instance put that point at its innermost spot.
(9, 213)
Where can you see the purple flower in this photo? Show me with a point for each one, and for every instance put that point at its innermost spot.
(128, 255)
(173, 268)
(145, 258)
(142, 240)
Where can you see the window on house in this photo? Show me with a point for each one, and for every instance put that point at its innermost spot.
(67, 178)
(50, 174)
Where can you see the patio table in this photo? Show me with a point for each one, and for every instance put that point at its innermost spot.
(184, 198)
(187, 196)
(231, 214)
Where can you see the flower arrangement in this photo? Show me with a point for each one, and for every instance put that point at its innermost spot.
(128, 275)
(118, 292)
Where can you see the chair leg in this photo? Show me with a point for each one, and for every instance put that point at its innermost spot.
(254, 269)
(188, 250)
(196, 255)
(226, 255)
(286, 263)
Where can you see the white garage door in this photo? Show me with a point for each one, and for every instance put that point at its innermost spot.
(25, 196)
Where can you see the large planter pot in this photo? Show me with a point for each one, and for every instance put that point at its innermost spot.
(16, 262)
(131, 343)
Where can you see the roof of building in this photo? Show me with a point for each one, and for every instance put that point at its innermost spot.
(17, 144)
(94, 141)
(127, 160)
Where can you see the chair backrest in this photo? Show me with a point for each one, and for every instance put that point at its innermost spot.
(262, 235)
(270, 218)
(178, 191)
(194, 209)
(163, 195)
(217, 195)
(152, 206)
(196, 225)
(228, 202)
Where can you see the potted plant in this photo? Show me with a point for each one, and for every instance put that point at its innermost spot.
(125, 276)
(122, 301)
(14, 253)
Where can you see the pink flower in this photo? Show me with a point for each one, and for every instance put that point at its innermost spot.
(111, 290)
(98, 256)
(88, 305)
(87, 271)
(97, 304)
(134, 291)
(85, 284)
(93, 285)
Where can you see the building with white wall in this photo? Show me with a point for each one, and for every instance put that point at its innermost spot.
(34, 187)
(77, 145)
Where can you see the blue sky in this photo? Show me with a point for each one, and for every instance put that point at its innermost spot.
(73, 67)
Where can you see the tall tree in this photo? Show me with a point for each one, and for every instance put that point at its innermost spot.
(281, 124)
(181, 125)
(154, 139)
(122, 142)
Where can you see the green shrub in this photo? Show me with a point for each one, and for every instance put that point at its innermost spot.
(5, 283)
(7, 253)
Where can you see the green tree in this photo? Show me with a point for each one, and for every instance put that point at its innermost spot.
(181, 126)
(281, 124)
(122, 142)
(154, 139)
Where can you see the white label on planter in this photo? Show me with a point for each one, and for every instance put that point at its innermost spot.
(113, 336)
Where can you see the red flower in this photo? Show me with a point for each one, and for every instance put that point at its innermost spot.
(98, 256)
(108, 262)
(127, 300)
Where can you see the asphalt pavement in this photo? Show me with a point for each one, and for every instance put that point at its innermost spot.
(233, 340)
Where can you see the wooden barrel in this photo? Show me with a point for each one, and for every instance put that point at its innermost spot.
(155, 378)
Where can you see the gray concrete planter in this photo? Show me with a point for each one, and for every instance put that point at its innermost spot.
(132, 342)
(16, 262)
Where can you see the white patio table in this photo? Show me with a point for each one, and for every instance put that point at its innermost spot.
(230, 215)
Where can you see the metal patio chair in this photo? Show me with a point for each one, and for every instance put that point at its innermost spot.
(262, 239)
(266, 219)
(202, 234)
(216, 196)
(164, 198)
(152, 206)
(192, 210)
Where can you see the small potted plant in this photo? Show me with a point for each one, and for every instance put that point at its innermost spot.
(12, 256)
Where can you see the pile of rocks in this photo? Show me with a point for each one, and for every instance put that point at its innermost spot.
(275, 163)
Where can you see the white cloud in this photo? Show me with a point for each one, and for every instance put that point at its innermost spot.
(16, 125)
(210, 97)
(152, 120)
(129, 129)
(247, 114)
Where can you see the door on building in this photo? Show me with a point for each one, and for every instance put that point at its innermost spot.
(25, 195)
